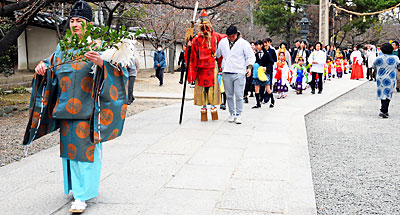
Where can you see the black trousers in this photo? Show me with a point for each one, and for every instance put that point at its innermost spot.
(385, 105)
(160, 75)
(182, 73)
(320, 81)
(249, 87)
(369, 73)
(131, 97)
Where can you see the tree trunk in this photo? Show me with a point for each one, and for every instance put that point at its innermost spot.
(10, 38)
(288, 27)
(171, 60)
(111, 14)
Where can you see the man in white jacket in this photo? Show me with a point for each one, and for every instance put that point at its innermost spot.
(237, 63)
(371, 57)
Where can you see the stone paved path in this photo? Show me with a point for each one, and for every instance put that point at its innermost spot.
(160, 167)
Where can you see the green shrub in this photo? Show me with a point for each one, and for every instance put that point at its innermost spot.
(19, 90)
(6, 59)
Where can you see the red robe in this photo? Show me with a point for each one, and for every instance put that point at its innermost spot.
(202, 60)
(357, 71)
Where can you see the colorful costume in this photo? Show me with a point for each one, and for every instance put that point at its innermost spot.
(345, 66)
(357, 61)
(300, 83)
(338, 66)
(88, 104)
(330, 70)
(203, 68)
(281, 76)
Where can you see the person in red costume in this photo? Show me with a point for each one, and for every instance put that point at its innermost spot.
(203, 68)
(357, 61)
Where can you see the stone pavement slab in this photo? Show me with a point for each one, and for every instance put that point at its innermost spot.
(182, 202)
(255, 195)
(160, 167)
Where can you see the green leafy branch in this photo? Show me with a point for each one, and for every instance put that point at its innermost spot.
(74, 46)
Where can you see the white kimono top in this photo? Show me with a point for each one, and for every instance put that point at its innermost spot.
(357, 55)
(320, 58)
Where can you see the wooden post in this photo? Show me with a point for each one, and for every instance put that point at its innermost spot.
(324, 21)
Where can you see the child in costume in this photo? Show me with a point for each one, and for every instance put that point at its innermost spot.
(300, 71)
(223, 95)
(329, 67)
(281, 75)
(339, 65)
(293, 80)
(346, 66)
(203, 69)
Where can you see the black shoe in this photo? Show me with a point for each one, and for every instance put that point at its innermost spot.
(256, 106)
(161, 85)
(320, 91)
(312, 91)
(251, 95)
(271, 105)
(181, 82)
(383, 115)
(371, 79)
(246, 100)
(222, 107)
(398, 90)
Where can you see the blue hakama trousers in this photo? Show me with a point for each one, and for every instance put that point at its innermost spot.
(83, 178)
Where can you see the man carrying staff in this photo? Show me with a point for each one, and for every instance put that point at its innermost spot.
(203, 69)
(77, 108)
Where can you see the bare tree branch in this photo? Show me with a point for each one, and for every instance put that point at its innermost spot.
(8, 9)
(31, 8)
(20, 26)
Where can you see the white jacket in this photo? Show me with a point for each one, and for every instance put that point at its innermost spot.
(320, 58)
(235, 60)
(371, 55)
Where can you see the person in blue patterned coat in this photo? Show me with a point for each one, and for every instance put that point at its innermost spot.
(386, 66)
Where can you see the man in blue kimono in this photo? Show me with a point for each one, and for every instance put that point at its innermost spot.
(68, 96)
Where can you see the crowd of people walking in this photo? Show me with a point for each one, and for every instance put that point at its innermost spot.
(275, 71)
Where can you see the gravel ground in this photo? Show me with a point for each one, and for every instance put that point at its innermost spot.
(355, 154)
(12, 129)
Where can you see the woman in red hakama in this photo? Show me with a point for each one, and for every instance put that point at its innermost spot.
(357, 61)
